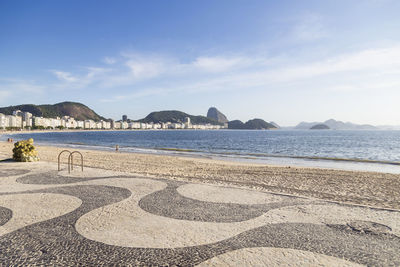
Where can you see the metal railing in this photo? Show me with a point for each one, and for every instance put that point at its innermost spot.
(70, 160)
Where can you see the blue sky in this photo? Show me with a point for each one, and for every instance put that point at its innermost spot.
(283, 61)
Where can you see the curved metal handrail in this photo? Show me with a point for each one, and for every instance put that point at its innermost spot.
(59, 156)
(71, 156)
(70, 160)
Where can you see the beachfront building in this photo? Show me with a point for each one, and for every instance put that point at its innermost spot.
(117, 125)
(112, 124)
(134, 125)
(105, 125)
(89, 124)
(124, 125)
(27, 119)
(17, 113)
(46, 122)
(2, 121)
(13, 121)
(57, 122)
(21, 119)
(38, 121)
(188, 124)
(70, 122)
(156, 126)
(176, 126)
(81, 124)
(49, 122)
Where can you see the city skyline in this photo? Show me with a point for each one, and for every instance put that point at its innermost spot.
(286, 62)
(20, 120)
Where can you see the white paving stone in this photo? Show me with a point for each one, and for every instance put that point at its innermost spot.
(333, 214)
(222, 194)
(275, 257)
(32, 208)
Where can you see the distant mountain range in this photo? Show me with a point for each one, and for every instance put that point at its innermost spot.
(77, 110)
(336, 125)
(81, 112)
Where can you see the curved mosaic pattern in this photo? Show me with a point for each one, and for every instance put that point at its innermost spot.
(275, 257)
(183, 208)
(222, 194)
(126, 224)
(306, 234)
(53, 178)
(355, 216)
(12, 172)
(5, 215)
(32, 208)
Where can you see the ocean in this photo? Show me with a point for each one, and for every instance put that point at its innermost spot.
(351, 150)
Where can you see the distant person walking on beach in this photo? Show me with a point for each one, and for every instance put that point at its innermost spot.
(116, 148)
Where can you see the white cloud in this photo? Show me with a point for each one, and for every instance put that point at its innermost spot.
(110, 60)
(218, 64)
(64, 76)
(142, 69)
(95, 71)
(141, 75)
(376, 60)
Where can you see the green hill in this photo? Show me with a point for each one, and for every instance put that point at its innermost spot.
(259, 124)
(236, 125)
(176, 116)
(254, 124)
(73, 109)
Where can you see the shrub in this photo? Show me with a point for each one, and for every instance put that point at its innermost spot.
(24, 151)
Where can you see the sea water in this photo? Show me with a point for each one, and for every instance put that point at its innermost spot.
(355, 150)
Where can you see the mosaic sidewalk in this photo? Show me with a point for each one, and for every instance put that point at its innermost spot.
(103, 218)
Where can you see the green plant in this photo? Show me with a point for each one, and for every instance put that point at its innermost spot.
(25, 151)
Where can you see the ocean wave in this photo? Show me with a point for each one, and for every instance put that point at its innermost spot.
(261, 155)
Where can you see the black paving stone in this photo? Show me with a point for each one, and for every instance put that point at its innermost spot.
(5, 215)
(53, 177)
(12, 172)
(169, 203)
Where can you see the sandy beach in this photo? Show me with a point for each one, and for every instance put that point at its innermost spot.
(365, 188)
